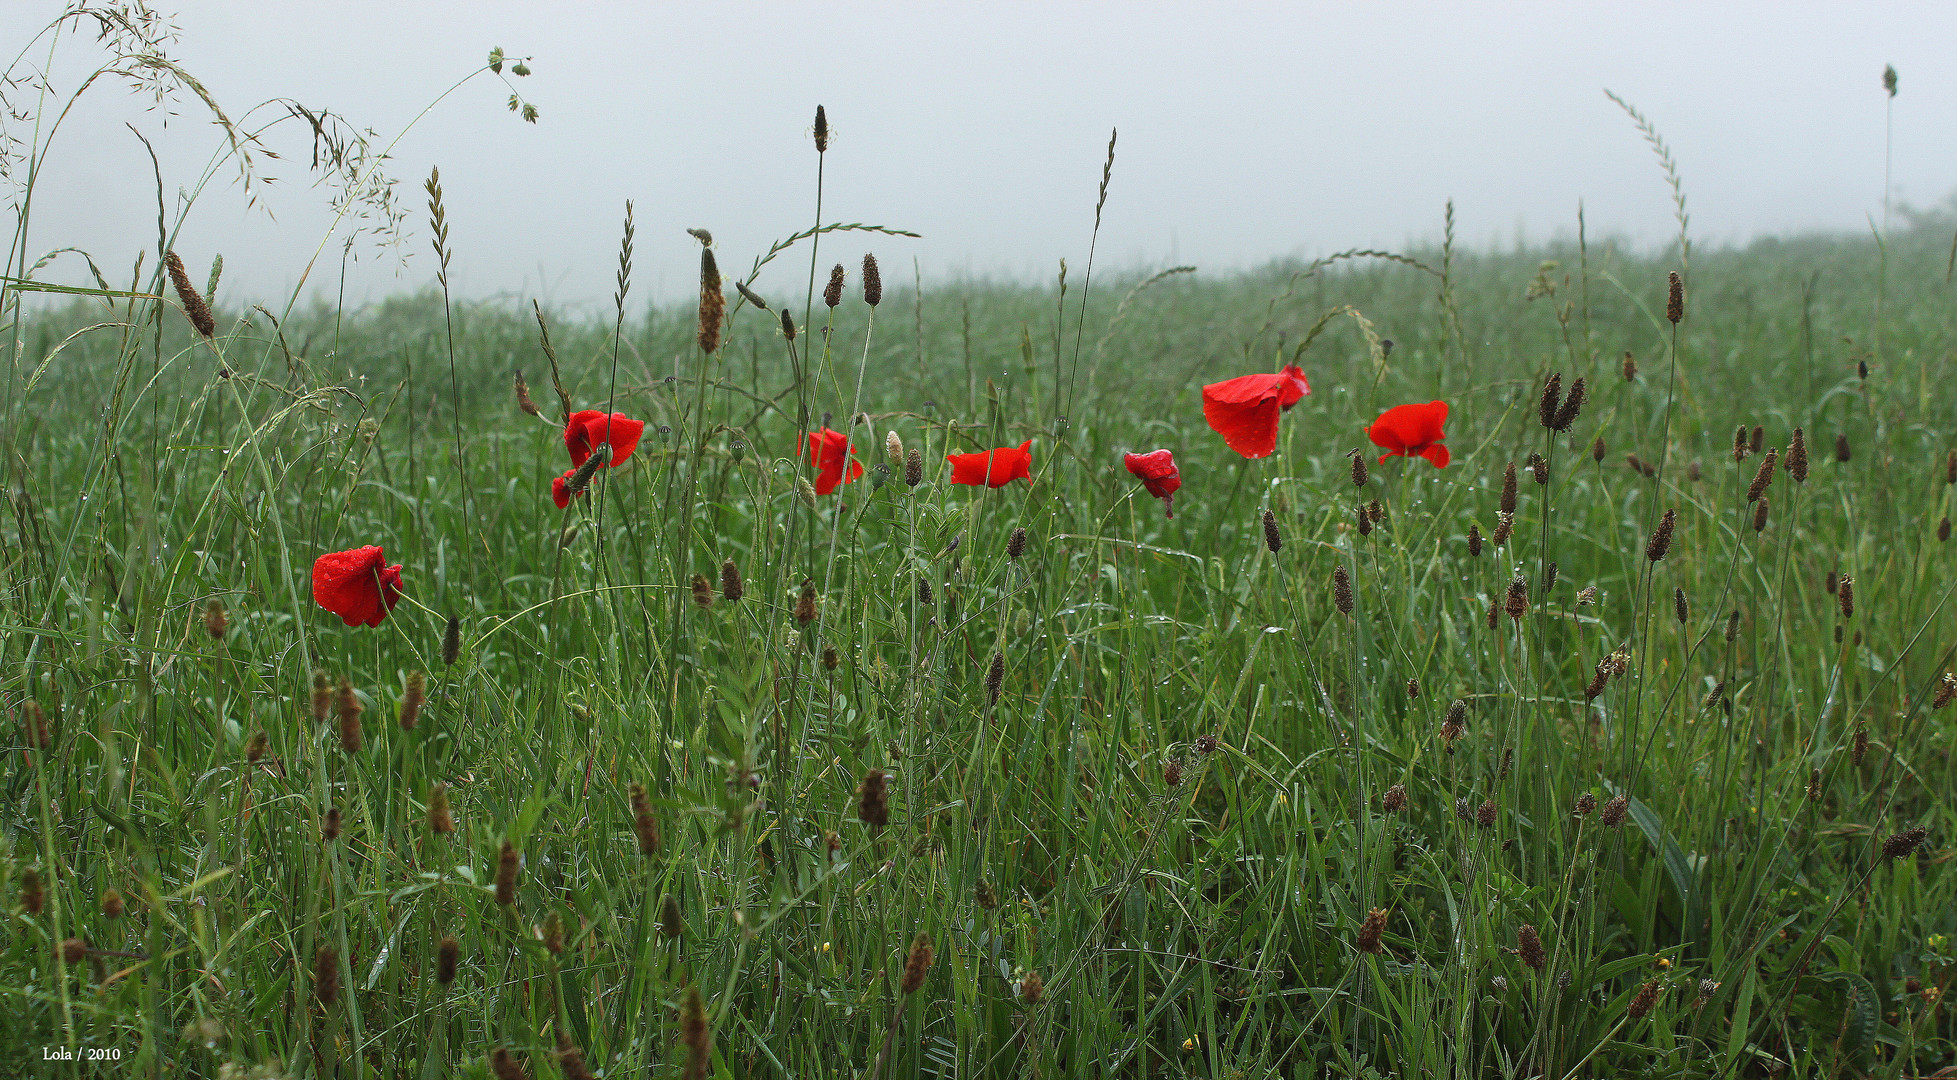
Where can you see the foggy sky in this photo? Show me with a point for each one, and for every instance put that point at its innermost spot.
(1247, 131)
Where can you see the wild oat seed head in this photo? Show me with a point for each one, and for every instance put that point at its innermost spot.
(507, 862)
(832, 293)
(1675, 299)
(1342, 589)
(1660, 544)
(917, 963)
(1528, 947)
(1367, 940)
(1900, 845)
(1616, 810)
(1551, 400)
(872, 281)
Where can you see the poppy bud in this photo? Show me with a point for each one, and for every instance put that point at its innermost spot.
(1661, 537)
(326, 975)
(1369, 932)
(1395, 799)
(1630, 367)
(787, 325)
(1528, 947)
(1616, 810)
(412, 698)
(1598, 450)
(194, 307)
(1016, 543)
(1508, 489)
(1675, 299)
(1845, 597)
(731, 586)
(1359, 471)
(873, 800)
(1551, 401)
(440, 821)
(913, 468)
(671, 923)
(352, 737)
(452, 642)
(713, 302)
(1273, 539)
(872, 281)
(1899, 845)
(702, 592)
(447, 953)
(1647, 995)
(1342, 589)
(506, 868)
(832, 293)
(917, 964)
(1572, 406)
(821, 130)
(644, 826)
(995, 678)
(1797, 457)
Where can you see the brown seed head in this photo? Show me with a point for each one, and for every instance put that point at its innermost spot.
(732, 588)
(1474, 541)
(326, 975)
(1647, 996)
(1551, 400)
(1367, 940)
(831, 659)
(1762, 477)
(1273, 539)
(1661, 538)
(1845, 597)
(194, 307)
(995, 678)
(1360, 474)
(33, 894)
(787, 325)
(1946, 691)
(1016, 543)
(1528, 947)
(1206, 744)
(1899, 845)
(671, 923)
(1630, 367)
(1742, 446)
(1395, 799)
(1859, 748)
(913, 467)
(1031, 988)
(1675, 299)
(695, 1036)
(1508, 489)
(570, 1059)
(1413, 688)
(523, 396)
(1681, 607)
(452, 642)
(1950, 468)
(805, 606)
(1365, 521)
(73, 950)
(329, 824)
(1760, 511)
(1504, 528)
(506, 867)
(34, 726)
(1586, 804)
(821, 130)
(348, 706)
(872, 281)
(215, 621)
(1172, 773)
(832, 293)
(1597, 682)
(1572, 406)
(413, 697)
(1539, 468)
(1342, 589)
(713, 302)
(322, 698)
(505, 1066)
(1943, 530)
(1842, 452)
(1616, 810)
(873, 800)
(644, 825)
(1797, 456)
(448, 952)
(1693, 471)
(1598, 450)
(1757, 439)
(917, 964)
(702, 592)
(112, 906)
(924, 594)
(1516, 603)
(553, 933)
(1487, 813)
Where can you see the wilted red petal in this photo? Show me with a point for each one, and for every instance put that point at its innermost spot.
(1158, 473)
(1412, 431)
(589, 428)
(356, 585)
(993, 468)
(828, 452)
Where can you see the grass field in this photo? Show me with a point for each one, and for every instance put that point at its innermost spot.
(1133, 795)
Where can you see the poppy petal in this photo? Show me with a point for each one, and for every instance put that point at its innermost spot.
(993, 468)
(356, 585)
(1244, 410)
(1437, 453)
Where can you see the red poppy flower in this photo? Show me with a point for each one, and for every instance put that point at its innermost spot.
(993, 468)
(356, 585)
(590, 428)
(1158, 473)
(1412, 431)
(1244, 410)
(560, 489)
(829, 452)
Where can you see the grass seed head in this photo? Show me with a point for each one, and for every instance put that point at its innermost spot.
(821, 130)
(1395, 799)
(1172, 772)
(702, 592)
(831, 659)
(1845, 597)
(713, 302)
(1474, 541)
(1630, 367)
(413, 697)
(787, 325)
(671, 922)
(1733, 625)
(873, 800)
(348, 706)
(995, 678)
(1031, 988)
(1761, 510)
(1273, 539)
(1842, 452)
(1528, 947)
(504, 1065)
(1360, 473)
(1945, 692)
(1647, 996)
(1797, 457)
(1757, 439)
(1455, 724)
(1016, 543)
(1681, 607)
(1539, 468)
(832, 293)
(1342, 589)
(448, 952)
(732, 588)
(985, 895)
(1370, 930)
(1943, 530)
(1660, 544)
(805, 604)
(1762, 477)
(1586, 804)
(507, 862)
(893, 450)
(913, 468)
(322, 698)
(33, 894)
(751, 296)
(917, 963)
(1413, 688)
(925, 597)
(645, 826)
(1675, 299)
(1950, 468)
(1364, 520)
(1572, 406)
(1597, 683)
(1900, 845)
(194, 306)
(1504, 528)
(1616, 810)
(872, 281)
(1551, 400)
(326, 975)
(1742, 446)
(1508, 489)
(112, 904)
(1516, 603)
(1487, 813)
(1814, 788)
(215, 621)
(452, 641)
(440, 821)
(1598, 450)
(570, 1059)
(695, 1036)
(1859, 748)
(329, 825)
(553, 933)
(1693, 471)
(523, 396)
